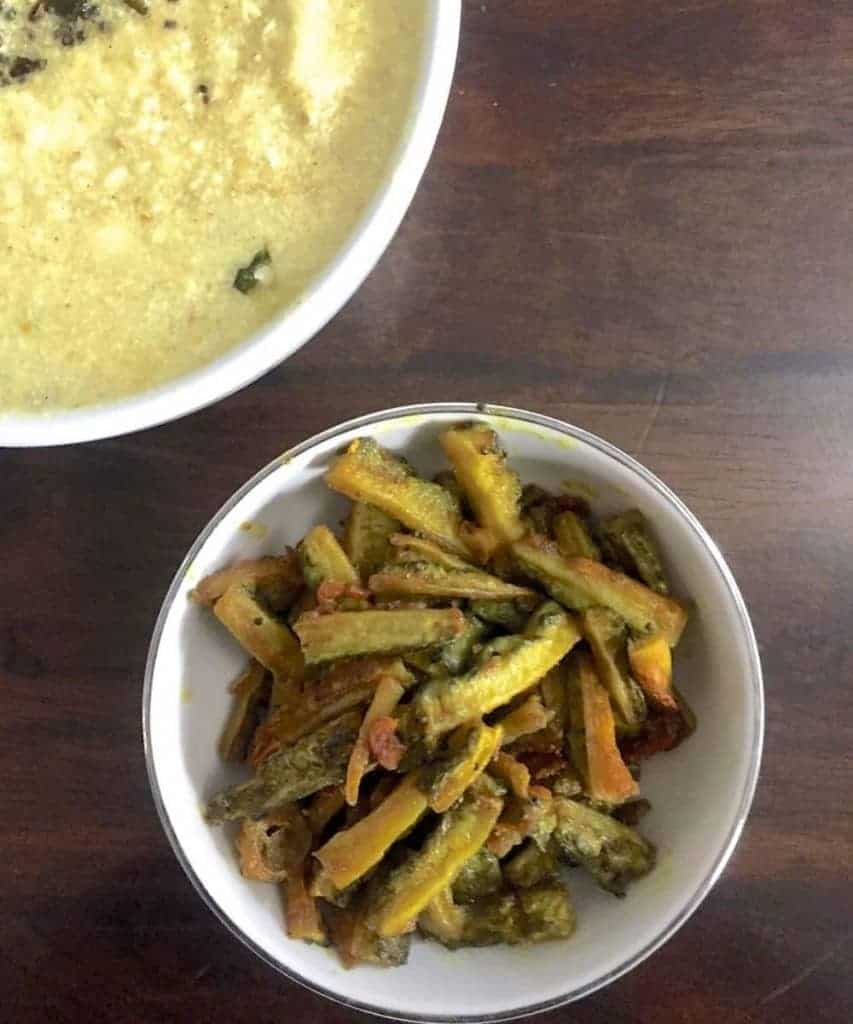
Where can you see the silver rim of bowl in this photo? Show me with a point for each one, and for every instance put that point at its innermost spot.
(755, 680)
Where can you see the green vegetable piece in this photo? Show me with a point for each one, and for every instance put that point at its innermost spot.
(607, 635)
(509, 615)
(291, 773)
(246, 278)
(629, 544)
(443, 704)
(423, 580)
(531, 865)
(345, 634)
(367, 537)
(581, 583)
(480, 876)
(461, 831)
(573, 538)
(453, 657)
(324, 560)
(538, 914)
(613, 853)
(368, 472)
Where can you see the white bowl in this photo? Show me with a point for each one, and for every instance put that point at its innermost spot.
(700, 792)
(299, 322)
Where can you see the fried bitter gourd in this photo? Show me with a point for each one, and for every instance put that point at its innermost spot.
(351, 853)
(461, 831)
(250, 691)
(452, 657)
(607, 636)
(342, 686)
(442, 704)
(580, 583)
(628, 542)
(479, 876)
(613, 853)
(267, 639)
(277, 578)
(492, 488)
(367, 537)
(593, 735)
(324, 560)
(344, 634)
(367, 472)
(572, 536)
(430, 581)
(447, 778)
(537, 914)
(317, 760)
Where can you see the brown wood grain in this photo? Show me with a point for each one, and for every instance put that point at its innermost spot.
(639, 218)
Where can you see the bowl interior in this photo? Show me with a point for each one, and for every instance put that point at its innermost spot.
(700, 792)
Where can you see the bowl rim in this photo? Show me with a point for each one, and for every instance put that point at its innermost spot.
(755, 681)
(320, 302)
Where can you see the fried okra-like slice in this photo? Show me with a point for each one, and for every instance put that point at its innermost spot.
(613, 853)
(443, 704)
(580, 583)
(346, 634)
(317, 760)
(369, 473)
(492, 488)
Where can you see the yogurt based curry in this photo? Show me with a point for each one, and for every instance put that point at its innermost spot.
(173, 173)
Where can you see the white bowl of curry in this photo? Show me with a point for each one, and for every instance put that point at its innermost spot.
(190, 192)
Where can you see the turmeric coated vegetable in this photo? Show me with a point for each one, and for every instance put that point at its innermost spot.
(260, 633)
(443, 704)
(629, 543)
(492, 488)
(538, 914)
(408, 548)
(581, 583)
(423, 579)
(448, 778)
(452, 657)
(367, 472)
(367, 538)
(344, 634)
(249, 690)
(324, 560)
(572, 536)
(385, 699)
(272, 847)
(607, 636)
(353, 852)
(594, 749)
(315, 761)
(341, 687)
(511, 615)
(356, 943)
(458, 836)
(301, 913)
(278, 577)
(651, 663)
(530, 865)
(479, 876)
(528, 717)
(613, 853)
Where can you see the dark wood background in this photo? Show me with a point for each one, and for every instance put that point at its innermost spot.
(639, 218)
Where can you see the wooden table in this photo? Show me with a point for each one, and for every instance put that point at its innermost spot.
(638, 218)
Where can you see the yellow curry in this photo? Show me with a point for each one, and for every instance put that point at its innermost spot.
(173, 173)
